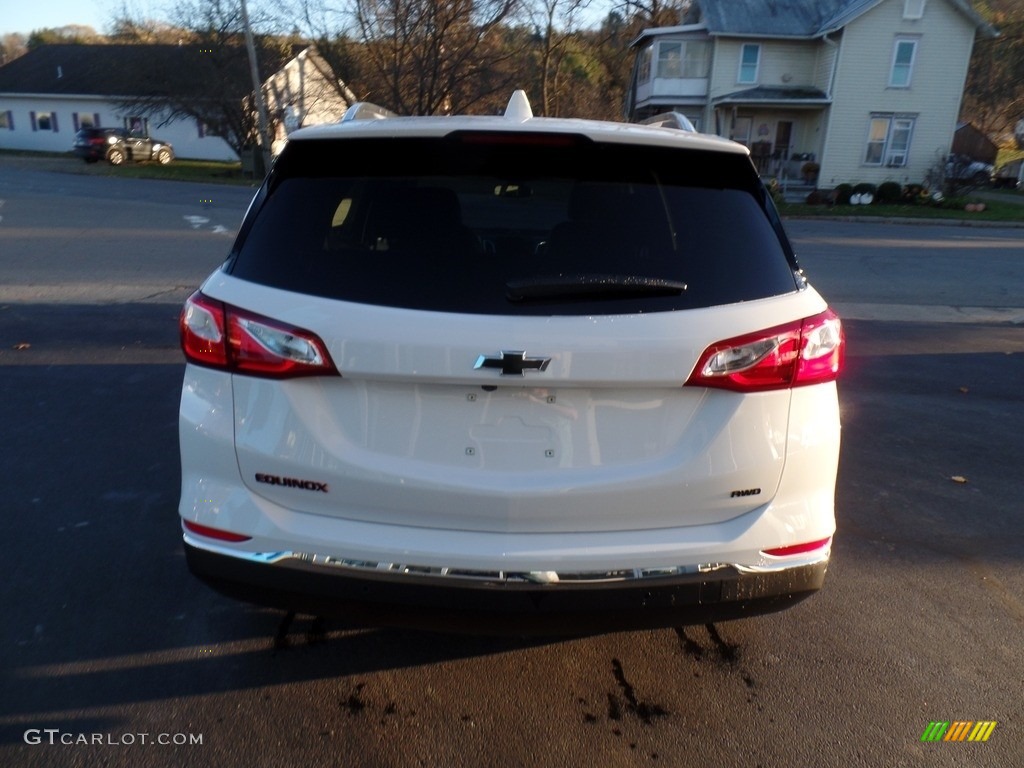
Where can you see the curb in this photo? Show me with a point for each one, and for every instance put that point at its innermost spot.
(911, 220)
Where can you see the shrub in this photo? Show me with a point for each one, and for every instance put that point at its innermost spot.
(864, 188)
(889, 192)
(842, 193)
(915, 194)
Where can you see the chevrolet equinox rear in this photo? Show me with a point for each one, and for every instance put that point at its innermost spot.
(514, 374)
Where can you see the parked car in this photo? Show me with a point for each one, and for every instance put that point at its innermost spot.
(510, 373)
(116, 146)
(965, 170)
(1009, 175)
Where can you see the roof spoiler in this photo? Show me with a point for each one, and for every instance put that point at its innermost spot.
(675, 120)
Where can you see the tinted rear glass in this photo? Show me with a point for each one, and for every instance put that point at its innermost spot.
(514, 224)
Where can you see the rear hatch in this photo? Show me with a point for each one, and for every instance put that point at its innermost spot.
(513, 320)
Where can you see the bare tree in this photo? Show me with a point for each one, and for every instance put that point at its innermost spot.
(656, 13)
(430, 55)
(994, 92)
(555, 20)
(12, 45)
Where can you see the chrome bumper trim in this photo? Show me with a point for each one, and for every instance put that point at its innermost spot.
(330, 562)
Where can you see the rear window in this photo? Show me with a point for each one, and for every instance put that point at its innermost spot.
(514, 224)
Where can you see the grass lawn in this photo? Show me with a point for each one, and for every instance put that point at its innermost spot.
(1000, 206)
(180, 170)
(205, 171)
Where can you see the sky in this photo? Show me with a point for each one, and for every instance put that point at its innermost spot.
(26, 15)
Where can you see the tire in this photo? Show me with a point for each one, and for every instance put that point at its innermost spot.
(91, 160)
(163, 156)
(115, 157)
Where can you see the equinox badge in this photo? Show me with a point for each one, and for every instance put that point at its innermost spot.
(512, 363)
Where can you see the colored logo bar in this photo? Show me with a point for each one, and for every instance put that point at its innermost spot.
(958, 730)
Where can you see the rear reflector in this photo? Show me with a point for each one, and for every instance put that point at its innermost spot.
(798, 549)
(217, 335)
(808, 351)
(214, 533)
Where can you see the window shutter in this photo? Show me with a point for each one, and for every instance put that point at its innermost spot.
(74, 121)
(96, 120)
(10, 120)
(32, 117)
(53, 121)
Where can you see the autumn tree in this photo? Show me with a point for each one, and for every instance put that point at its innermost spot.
(70, 33)
(12, 45)
(994, 92)
(429, 53)
(555, 22)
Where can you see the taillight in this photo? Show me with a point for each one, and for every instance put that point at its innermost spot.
(798, 549)
(218, 335)
(214, 533)
(808, 351)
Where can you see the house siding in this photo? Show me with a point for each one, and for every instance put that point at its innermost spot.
(300, 94)
(851, 66)
(183, 135)
(782, 63)
(945, 39)
(826, 56)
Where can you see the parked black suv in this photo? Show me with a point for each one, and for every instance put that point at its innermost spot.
(116, 145)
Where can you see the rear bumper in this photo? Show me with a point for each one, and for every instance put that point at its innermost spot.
(90, 153)
(372, 594)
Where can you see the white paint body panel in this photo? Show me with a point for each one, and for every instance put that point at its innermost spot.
(602, 461)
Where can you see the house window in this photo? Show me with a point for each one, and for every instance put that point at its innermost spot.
(137, 125)
(740, 129)
(889, 140)
(750, 58)
(913, 9)
(902, 62)
(7, 121)
(670, 60)
(84, 120)
(44, 121)
(679, 59)
(696, 59)
(644, 66)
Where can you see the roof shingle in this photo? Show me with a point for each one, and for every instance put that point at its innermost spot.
(123, 70)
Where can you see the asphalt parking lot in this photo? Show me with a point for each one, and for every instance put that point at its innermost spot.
(114, 655)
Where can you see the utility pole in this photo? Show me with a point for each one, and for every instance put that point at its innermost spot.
(257, 87)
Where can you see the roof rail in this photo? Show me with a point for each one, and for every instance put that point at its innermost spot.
(675, 120)
(364, 110)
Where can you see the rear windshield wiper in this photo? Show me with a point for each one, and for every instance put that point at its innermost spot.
(590, 286)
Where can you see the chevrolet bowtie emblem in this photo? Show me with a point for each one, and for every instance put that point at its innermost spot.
(512, 363)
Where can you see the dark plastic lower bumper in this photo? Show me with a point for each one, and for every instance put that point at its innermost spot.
(452, 605)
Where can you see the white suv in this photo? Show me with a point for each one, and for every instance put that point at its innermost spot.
(514, 374)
